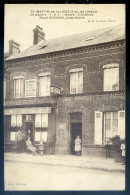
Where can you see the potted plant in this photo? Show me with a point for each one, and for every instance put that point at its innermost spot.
(116, 143)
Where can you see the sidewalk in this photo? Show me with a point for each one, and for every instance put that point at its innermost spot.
(95, 163)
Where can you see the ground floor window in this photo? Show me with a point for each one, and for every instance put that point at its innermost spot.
(107, 125)
(41, 135)
(111, 125)
(13, 135)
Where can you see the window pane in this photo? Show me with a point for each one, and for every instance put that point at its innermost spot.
(21, 87)
(44, 87)
(111, 124)
(115, 115)
(111, 79)
(107, 124)
(107, 79)
(73, 83)
(115, 78)
(48, 85)
(16, 88)
(80, 82)
(108, 115)
(115, 125)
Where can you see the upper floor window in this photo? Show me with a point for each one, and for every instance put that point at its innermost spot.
(18, 86)
(76, 80)
(45, 84)
(111, 77)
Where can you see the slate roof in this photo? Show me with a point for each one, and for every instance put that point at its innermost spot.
(74, 41)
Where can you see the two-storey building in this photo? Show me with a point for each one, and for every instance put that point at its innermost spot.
(67, 86)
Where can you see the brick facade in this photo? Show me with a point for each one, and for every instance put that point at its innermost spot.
(93, 98)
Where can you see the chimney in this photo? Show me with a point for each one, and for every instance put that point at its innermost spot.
(39, 35)
(13, 47)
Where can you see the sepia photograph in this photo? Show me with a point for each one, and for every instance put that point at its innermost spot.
(64, 97)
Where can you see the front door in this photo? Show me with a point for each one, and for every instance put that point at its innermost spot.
(29, 130)
(76, 129)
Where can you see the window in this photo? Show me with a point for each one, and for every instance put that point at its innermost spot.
(111, 124)
(76, 81)
(13, 135)
(16, 120)
(18, 87)
(45, 84)
(111, 77)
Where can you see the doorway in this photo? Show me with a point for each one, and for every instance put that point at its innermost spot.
(29, 130)
(76, 129)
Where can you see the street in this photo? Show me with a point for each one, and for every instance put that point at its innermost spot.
(29, 176)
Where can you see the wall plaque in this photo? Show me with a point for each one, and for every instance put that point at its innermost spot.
(30, 88)
(62, 125)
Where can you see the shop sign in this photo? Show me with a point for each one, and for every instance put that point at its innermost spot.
(33, 110)
(30, 88)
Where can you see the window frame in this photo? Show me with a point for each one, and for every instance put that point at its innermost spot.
(76, 71)
(111, 66)
(111, 125)
(14, 80)
(45, 74)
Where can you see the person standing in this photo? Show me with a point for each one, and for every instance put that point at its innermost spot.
(78, 145)
(20, 139)
(123, 152)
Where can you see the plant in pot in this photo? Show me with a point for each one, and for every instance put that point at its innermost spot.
(116, 143)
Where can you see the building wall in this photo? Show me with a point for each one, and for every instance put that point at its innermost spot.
(91, 61)
(92, 99)
(87, 105)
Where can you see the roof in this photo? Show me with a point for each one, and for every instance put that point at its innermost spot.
(104, 35)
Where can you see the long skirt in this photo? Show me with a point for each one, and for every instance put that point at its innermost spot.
(31, 148)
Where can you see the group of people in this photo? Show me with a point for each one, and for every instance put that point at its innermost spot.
(23, 140)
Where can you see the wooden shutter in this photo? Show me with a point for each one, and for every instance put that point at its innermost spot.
(98, 128)
(121, 124)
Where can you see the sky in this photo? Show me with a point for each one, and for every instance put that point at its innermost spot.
(20, 21)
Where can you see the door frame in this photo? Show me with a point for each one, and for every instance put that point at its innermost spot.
(69, 125)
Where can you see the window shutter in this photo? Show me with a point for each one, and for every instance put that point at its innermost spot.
(121, 123)
(98, 128)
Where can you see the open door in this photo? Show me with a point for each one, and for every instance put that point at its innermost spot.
(76, 129)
